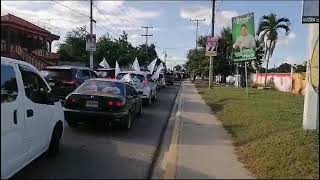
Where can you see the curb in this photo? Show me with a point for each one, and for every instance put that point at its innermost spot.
(165, 163)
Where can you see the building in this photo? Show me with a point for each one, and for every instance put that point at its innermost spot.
(25, 41)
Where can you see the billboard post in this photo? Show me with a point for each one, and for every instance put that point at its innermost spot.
(211, 50)
(244, 43)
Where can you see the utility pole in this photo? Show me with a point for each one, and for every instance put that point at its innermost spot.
(147, 35)
(212, 35)
(91, 19)
(165, 57)
(197, 20)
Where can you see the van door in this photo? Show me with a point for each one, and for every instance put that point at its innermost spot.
(37, 111)
(13, 142)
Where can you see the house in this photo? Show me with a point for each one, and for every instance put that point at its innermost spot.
(25, 41)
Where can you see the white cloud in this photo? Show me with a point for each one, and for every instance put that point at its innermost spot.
(116, 15)
(286, 40)
(222, 18)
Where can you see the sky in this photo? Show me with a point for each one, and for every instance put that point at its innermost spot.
(172, 30)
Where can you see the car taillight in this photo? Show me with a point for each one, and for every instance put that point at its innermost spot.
(116, 103)
(71, 102)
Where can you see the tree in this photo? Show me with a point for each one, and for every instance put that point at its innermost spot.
(284, 68)
(74, 49)
(178, 67)
(268, 28)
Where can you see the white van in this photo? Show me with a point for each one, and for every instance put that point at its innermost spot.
(31, 116)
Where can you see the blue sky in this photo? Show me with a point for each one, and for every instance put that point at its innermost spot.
(172, 31)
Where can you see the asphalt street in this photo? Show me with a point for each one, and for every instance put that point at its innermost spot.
(90, 151)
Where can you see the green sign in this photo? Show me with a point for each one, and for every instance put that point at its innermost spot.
(244, 44)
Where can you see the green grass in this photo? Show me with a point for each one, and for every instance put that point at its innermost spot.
(267, 131)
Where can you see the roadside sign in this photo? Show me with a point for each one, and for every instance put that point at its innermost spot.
(310, 11)
(243, 37)
(211, 46)
(90, 42)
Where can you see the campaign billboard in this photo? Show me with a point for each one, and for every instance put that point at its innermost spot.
(243, 37)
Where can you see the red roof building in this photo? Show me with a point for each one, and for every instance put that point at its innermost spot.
(25, 41)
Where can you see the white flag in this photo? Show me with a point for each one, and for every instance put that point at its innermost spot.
(104, 63)
(135, 65)
(126, 78)
(151, 65)
(117, 70)
(157, 73)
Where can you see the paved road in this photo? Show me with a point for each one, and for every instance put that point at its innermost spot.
(107, 152)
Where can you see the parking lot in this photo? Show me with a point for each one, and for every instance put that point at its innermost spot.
(90, 151)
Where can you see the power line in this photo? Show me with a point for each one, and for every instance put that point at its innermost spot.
(197, 20)
(219, 6)
(147, 35)
(71, 8)
(106, 18)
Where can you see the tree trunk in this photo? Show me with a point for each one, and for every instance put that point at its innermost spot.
(266, 72)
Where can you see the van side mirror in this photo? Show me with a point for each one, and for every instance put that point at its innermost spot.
(53, 97)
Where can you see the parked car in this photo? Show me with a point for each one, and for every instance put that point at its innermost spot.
(103, 100)
(161, 80)
(106, 73)
(31, 116)
(141, 84)
(153, 85)
(169, 77)
(65, 79)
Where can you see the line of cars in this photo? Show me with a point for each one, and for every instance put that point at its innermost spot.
(35, 104)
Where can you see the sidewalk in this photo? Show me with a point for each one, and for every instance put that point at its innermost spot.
(205, 149)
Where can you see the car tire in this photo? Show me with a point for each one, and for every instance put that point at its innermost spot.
(72, 124)
(150, 100)
(54, 146)
(126, 122)
(155, 96)
(140, 111)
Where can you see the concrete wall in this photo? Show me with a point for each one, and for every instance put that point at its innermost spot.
(281, 81)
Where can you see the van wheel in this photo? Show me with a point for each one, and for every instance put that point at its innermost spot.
(54, 146)
(71, 123)
(126, 122)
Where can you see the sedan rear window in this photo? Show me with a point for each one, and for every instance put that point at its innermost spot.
(135, 77)
(96, 87)
(65, 74)
(105, 73)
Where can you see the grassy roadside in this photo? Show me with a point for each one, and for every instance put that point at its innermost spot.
(267, 130)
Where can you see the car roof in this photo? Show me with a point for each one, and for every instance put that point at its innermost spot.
(68, 67)
(101, 69)
(106, 80)
(133, 72)
(15, 61)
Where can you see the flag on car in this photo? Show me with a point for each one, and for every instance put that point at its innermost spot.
(104, 63)
(126, 78)
(135, 65)
(151, 65)
(157, 73)
(117, 70)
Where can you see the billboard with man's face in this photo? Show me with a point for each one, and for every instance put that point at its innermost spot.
(243, 37)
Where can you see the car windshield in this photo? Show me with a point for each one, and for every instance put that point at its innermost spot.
(57, 74)
(101, 87)
(105, 73)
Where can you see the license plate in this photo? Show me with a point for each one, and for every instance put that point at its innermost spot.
(51, 83)
(93, 104)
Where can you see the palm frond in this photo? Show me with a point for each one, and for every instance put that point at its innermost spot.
(285, 27)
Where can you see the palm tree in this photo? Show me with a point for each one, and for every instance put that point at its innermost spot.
(268, 28)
